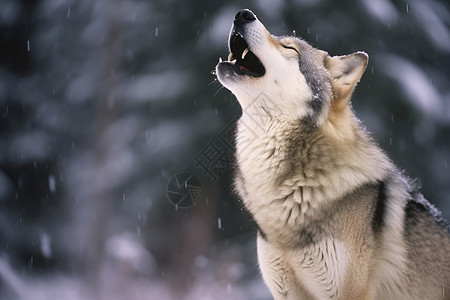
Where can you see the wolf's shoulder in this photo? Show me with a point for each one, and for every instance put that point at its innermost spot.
(420, 210)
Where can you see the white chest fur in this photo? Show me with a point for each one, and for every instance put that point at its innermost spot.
(322, 269)
(319, 269)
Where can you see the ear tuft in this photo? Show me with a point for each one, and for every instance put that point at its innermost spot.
(345, 72)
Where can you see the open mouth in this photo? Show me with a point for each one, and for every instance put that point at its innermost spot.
(245, 62)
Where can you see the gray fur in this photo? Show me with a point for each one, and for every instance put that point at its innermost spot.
(315, 76)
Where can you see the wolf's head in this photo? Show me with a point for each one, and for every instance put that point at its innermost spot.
(301, 81)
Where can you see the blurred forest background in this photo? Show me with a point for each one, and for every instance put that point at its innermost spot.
(103, 103)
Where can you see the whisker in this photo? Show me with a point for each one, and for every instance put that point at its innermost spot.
(214, 81)
(215, 94)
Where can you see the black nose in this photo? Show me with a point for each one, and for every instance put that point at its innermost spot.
(244, 16)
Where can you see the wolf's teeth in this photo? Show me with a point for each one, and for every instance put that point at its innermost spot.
(233, 61)
(230, 56)
(244, 53)
(220, 59)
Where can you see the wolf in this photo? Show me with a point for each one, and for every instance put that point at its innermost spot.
(336, 218)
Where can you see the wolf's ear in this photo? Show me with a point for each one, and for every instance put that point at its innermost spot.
(345, 73)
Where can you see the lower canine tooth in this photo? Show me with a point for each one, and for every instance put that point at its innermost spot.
(233, 61)
(220, 59)
(244, 53)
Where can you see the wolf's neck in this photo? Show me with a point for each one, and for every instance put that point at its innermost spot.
(299, 166)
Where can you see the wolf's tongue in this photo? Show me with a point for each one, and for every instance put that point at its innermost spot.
(242, 68)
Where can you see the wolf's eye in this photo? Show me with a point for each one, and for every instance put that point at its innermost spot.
(289, 47)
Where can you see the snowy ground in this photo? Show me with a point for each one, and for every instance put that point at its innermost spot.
(119, 286)
(129, 271)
